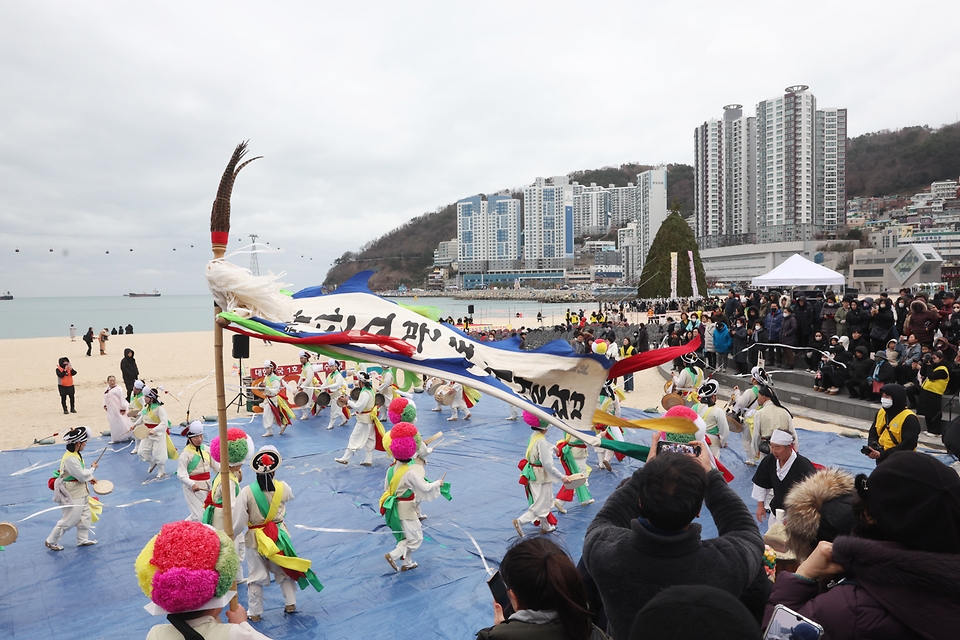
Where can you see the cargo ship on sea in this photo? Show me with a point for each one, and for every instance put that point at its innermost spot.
(155, 294)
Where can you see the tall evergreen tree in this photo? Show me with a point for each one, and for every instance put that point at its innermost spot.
(674, 235)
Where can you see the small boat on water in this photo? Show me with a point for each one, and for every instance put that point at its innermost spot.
(155, 294)
(7, 296)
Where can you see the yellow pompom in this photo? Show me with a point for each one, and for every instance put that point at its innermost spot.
(145, 570)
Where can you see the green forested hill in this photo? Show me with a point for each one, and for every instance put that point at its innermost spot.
(902, 162)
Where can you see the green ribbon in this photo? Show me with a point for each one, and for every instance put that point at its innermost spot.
(582, 492)
(635, 451)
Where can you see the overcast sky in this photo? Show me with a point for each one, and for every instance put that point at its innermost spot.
(117, 118)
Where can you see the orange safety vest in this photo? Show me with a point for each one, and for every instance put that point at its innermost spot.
(66, 380)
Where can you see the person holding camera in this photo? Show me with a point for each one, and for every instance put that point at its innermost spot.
(778, 472)
(65, 373)
(644, 538)
(928, 397)
(547, 598)
(896, 428)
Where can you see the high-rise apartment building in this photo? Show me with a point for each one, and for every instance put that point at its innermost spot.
(786, 169)
(548, 224)
(651, 209)
(724, 169)
(623, 205)
(778, 177)
(488, 233)
(591, 210)
(628, 244)
(503, 232)
(831, 168)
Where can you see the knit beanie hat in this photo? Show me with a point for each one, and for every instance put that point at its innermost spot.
(694, 612)
(915, 499)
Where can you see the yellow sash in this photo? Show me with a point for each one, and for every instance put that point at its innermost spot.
(394, 483)
(267, 547)
(532, 444)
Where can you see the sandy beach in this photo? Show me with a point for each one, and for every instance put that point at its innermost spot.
(30, 403)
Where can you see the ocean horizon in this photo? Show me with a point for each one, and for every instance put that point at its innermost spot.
(52, 317)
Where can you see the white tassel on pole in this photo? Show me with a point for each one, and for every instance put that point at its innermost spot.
(235, 289)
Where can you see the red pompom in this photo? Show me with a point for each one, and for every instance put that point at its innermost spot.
(398, 404)
(191, 545)
(403, 430)
(681, 411)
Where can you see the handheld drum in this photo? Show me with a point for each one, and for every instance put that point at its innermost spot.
(141, 431)
(103, 487)
(8, 533)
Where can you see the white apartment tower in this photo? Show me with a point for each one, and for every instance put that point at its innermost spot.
(503, 233)
(831, 169)
(724, 168)
(786, 170)
(628, 244)
(591, 210)
(548, 224)
(651, 209)
(488, 233)
(623, 204)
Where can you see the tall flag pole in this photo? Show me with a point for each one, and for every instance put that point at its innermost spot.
(219, 234)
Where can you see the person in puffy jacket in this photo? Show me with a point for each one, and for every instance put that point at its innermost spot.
(790, 336)
(898, 575)
(722, 342)
(922, 322)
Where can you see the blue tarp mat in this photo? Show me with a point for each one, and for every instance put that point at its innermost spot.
(92, 592)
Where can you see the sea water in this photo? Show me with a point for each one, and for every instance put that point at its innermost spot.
(52, 317)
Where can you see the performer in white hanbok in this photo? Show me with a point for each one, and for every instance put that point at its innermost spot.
(434, 383)
(193, 470)
(459, 403)
(270, 550)
(537, 474)
(364, 432)
(276, 411)
(72, 478)
(115, 404)
(745, 406)
(403, 487)
(714, 418)
(153, 448)
(309, 383)
(334, 385)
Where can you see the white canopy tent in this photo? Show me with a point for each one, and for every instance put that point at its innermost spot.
(797, 271)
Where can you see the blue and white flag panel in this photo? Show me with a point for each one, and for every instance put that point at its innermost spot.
(553, 376)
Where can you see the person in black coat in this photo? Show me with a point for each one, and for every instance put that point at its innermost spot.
(789, 335)
(883, 321)
(859, 370)
(880, 443)
(129, 371)
(641, 339)
(818, 344)
(740, 357)
(803, 312)
(883, 373)
(88, 338)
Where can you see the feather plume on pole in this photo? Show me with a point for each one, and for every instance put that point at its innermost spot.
(219, 234)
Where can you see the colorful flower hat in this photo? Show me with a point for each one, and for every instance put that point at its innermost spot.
(534, 421)
(188, 566)
(401, 430)
(403, 447)
(401, 410)
(239, 446)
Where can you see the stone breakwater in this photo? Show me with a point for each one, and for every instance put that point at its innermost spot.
(538, 295)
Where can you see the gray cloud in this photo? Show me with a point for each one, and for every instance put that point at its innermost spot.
(118, 118)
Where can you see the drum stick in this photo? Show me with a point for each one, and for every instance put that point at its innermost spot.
(428, 441)
(36, 441)
(101, 454)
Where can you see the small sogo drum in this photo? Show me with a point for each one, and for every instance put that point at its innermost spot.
(141, 431)
(301, 399)
(323, 399)
(342, 401)
(102, 487)
(576, 480)
(444, 395)
(8, 533)
(733, 422)
(256, 388)
(379, 400)
(432, 385)
(671, 400)
(355, 393)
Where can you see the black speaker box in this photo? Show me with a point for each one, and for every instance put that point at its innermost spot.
(470, 309)
(241, 347)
